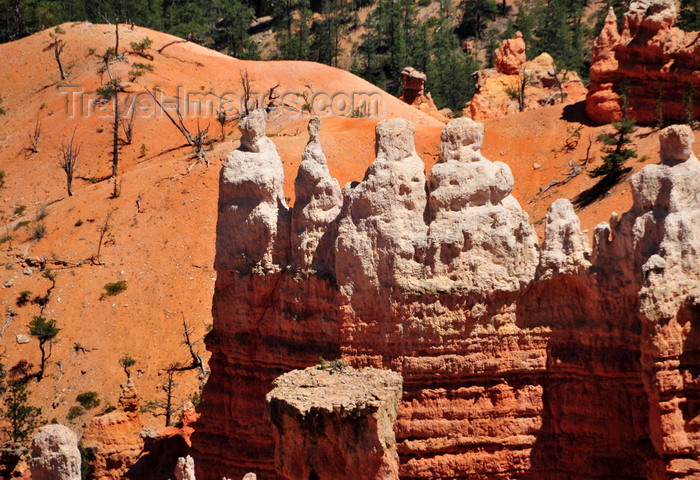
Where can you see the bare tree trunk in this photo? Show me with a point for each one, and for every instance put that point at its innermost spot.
(115, 132)
(57, 53)
(69, 162)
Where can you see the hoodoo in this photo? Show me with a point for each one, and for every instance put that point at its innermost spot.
(559, 361)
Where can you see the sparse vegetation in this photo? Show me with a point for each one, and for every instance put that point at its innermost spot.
(115, 288)
(39, 231)
(19, 210)
(2, 178)
(87, 457)
(143, 66)
(42, 213)
(334, 366)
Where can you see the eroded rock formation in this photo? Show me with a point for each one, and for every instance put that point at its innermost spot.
(184, 470)
(335, 423)
(510, 56)
(317, 203)
(414, 93)
(518, 85)
(55, 454)
(569, 363)
(114, 438)
(467, 191)
(655, 60)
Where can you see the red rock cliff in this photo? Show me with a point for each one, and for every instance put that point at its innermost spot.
(518, 360)
(658, 62)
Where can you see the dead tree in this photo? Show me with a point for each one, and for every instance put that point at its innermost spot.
(111, 90)
(196, 362)
(127, 123)
(103, 231)
(197, 141)
(160, 50)
(69, 161)
(523, 80)
(221, 118)
(247, 84)
(559, 75)
(34, 137)
(57, 44)
(168, 388)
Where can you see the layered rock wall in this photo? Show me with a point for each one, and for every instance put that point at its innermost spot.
(657, 63)
(518, 361)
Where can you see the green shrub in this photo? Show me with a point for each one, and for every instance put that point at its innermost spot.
(115, 288)
(334, 366)
(23, 298)
(88, 400)
(143, 66)
(141, 46)
(127, 361)
(75, 411)
(19, 210)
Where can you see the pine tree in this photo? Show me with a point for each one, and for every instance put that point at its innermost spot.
(617, 152)
(295, 44)
(45, 331)
(558, 29)
(23, 418)
(449, 70)
(475, 15)
(230, 31)
(689, 15)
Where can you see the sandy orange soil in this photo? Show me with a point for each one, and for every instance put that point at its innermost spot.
(165, 251)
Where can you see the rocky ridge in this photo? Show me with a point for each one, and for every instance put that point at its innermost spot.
(657, 62)
(563, 361)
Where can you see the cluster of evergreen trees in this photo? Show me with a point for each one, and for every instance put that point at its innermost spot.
(394, 35)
